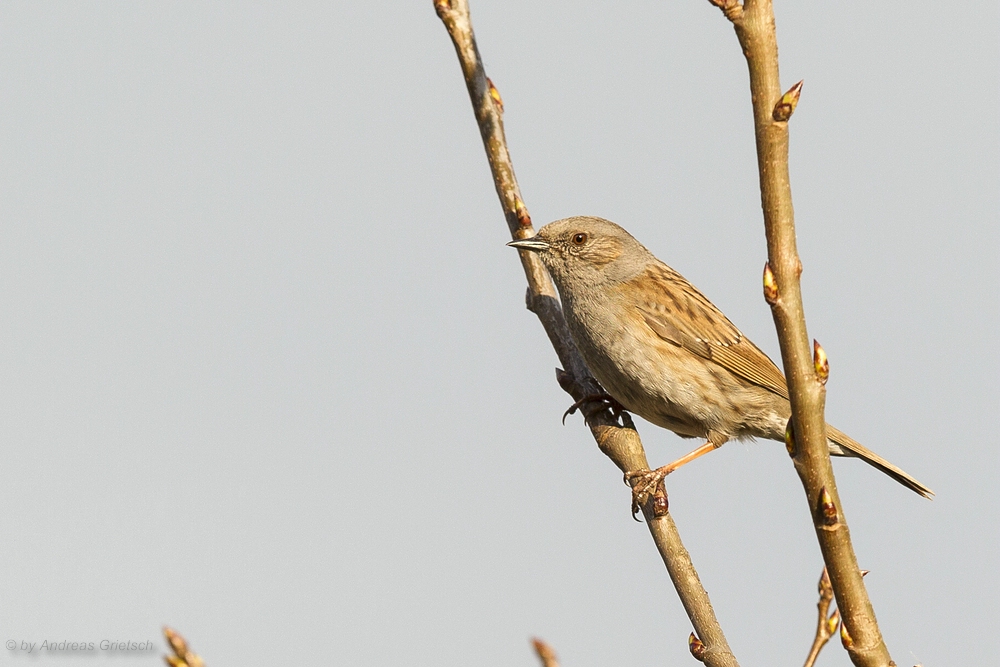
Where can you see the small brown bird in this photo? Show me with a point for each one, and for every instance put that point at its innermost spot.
(664, 351)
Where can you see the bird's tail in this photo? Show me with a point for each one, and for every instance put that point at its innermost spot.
(849, 447)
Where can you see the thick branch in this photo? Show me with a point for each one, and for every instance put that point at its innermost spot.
(755, 30)
(620, 442)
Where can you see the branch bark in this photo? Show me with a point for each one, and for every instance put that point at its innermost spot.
(754, 25)
(619, 441)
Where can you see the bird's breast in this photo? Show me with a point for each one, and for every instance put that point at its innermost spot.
(653, 378)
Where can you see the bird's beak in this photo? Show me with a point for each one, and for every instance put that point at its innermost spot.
(533, 244)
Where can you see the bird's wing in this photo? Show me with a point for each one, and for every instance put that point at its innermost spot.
(678, 313)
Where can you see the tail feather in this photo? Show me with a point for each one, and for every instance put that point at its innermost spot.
(849, 447)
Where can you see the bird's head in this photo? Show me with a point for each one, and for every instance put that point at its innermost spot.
(583, 252)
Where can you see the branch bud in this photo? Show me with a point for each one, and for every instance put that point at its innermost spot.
(825, 586)
(177, 643)
(521, 211)
(821, 363)
(565, 380)
(785, 107)
(733, 9)
(696, 647)
(545, 653)
(495, 94)
(790, 438)
(661, 504)
(183, 657)
(442, 6)
(770, 285)
(845, 638)
(832, 623)
(825, 509)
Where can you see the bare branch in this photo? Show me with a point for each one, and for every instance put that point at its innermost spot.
(807, 440)
(619, 441)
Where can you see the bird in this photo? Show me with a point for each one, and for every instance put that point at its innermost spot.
(663, 351)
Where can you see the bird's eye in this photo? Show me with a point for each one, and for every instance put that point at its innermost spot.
(579, 239)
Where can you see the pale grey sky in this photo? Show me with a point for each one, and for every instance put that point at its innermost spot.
(268, 376)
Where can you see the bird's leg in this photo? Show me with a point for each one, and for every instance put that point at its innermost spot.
(616, 408)
(643, 482)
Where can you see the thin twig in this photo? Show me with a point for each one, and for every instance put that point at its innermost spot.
(619, 441)
(754, 24)
(827, 623)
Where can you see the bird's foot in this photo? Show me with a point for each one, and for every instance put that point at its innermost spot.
(606, 400)
(644, 485)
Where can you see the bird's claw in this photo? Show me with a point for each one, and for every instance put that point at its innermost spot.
(617, 409)
(645, 484)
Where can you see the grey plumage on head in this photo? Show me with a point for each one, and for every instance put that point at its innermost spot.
(595, 249)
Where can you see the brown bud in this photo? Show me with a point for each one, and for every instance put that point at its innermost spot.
(564, 379)
(696, 647)
(790, 438)
(825, 509)
(770, 285)
(785, 107)
(521, 211)
(864, 573)
(495, 94)
(544, 652)
(825, 587)
(832, 622)
(177, 643)
(442, 6)
(845, 638)
(821, 363)
(733, 9)
(183, 657)
(661, 504)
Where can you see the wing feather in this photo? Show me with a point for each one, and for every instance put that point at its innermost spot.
(678, 313)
